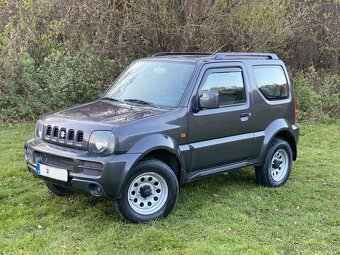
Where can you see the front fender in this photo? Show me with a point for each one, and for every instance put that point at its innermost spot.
(153, 142)
(147, 145)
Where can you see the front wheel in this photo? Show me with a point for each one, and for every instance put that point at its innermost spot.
(150, 193)
(277, 165)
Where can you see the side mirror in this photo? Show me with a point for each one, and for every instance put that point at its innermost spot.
(209, 100)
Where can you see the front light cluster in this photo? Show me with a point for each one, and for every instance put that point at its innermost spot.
(102, 142)
(39, 128)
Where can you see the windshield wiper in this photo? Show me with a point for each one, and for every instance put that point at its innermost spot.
(110, 99)
(139, 101)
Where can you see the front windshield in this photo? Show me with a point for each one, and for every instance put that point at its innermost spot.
(159, 83)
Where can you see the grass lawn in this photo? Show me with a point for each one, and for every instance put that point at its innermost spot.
(224, 214)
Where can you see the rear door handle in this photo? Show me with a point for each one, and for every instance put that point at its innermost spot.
(245, 116)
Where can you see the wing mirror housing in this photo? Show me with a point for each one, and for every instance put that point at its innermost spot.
(209, 100)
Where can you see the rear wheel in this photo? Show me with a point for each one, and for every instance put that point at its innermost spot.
(58, 190)
(150, 193)
(277, 165)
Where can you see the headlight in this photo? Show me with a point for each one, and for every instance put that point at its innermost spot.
(102, 142)
(39, 129)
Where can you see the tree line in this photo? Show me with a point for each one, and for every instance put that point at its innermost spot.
(55, 53)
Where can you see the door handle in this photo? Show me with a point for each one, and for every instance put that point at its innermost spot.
(245, 116)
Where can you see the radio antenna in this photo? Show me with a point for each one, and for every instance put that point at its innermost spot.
(219, 49)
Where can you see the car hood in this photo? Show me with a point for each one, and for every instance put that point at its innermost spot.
(103, 112)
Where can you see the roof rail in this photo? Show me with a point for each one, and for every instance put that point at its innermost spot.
(159, 54)
(233, 55)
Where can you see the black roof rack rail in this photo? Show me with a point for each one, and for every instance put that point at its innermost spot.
(159, 54)
(233, 55)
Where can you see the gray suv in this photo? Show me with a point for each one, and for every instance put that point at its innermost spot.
(167, 120)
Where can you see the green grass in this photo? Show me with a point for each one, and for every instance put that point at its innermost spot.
(225, 214)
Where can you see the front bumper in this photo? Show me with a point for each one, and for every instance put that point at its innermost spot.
(86, 172)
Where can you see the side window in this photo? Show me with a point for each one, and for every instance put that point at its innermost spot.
(229, 85)
(271, 81)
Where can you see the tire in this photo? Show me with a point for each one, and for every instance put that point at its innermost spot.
(58, 190)
(277, 165)
(150, 193)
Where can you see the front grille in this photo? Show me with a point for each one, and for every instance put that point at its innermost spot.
(49, 131)
(65, 136)
(71, 135)
(80, 137)
(53, 160)
(92, 168)
(55, 131)
(62, 134)
(93, 165)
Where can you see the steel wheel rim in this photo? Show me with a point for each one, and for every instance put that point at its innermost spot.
(279, 165)
(141, 186)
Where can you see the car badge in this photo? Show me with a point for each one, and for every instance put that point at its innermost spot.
(63, 134)
(44, 158)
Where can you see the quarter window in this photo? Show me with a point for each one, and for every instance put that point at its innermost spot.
(272, 82)
(229, 86)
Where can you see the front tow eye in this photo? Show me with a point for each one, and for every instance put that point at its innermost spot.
(145, 191)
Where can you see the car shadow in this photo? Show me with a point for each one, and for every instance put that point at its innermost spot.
(220, 186)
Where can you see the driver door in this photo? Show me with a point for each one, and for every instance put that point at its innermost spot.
(223, 135)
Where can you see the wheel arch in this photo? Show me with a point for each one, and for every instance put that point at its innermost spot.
(159, 147)
(167, 157)
(279, 129)
(287, 136)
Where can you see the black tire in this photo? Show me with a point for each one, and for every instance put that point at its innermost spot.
(158, 168)
(58, 190)
(266, 174)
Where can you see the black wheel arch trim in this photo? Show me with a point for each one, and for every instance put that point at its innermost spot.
(145, 146)
(272, 131)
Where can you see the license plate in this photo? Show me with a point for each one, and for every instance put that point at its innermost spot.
(52, 172)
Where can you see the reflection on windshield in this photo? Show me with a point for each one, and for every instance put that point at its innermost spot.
(158, 82)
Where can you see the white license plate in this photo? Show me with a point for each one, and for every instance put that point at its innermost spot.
(52, 172)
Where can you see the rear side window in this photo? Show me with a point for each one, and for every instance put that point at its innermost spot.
(271, 81)
(228, 84)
